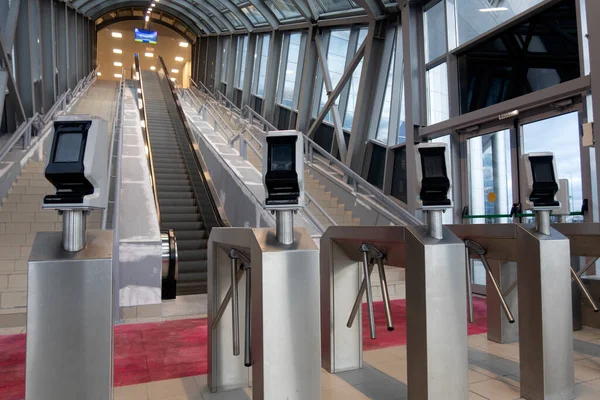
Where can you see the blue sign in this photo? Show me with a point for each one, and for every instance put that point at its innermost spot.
(142, 35)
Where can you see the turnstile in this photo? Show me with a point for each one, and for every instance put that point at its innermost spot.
(435, 297)
(282, 336)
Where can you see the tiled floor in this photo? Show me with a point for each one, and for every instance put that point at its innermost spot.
(493, 375)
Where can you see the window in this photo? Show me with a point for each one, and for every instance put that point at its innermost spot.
(336, 5)
(474, 17)
(291, 70)
(261, 60)
(384, 119)
(224, 60)
(240, 61)
(237, 24)
(336, 63)
(437, 94)
(283, 9)
(354, 83)
(435, 31)
(255, 17)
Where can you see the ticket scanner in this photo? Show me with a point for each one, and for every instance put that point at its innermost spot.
(433, 258)
(70, 291)
(268, 278)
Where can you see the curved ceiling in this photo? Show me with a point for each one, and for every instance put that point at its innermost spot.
(215, 17)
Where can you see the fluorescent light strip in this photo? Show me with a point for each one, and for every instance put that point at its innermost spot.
(493, 9)
(183, 44)
(116, 34)
(173, 79)
(152, 68)
(149, 54)
(98, 73)
(118, 75)
(174, 71)
(117, 51)
(147, 18)
(178, 58)
(117, 64)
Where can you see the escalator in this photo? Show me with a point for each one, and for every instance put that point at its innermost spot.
(186, 202)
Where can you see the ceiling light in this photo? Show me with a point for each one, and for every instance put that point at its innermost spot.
(152, 5)
(116, 34)
(147, 18)
(149, 10)
(152, 68)
(183, 44)
(178, 58)
(117, 51)
(173, 79)
(118, 75)
(493, 9)
(117, 64)
(174, 71)
(98, 73)
(149, 54)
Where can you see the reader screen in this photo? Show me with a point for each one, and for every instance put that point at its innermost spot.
(68, 147)
(543, 170)
(282, 157)
(434, 165)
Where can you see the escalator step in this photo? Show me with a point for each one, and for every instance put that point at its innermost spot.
(175, 195)
(192, 255)
(164, 210)
(173, 203)
(174, 189)
(190, 235)
(190, 267)
(182, 226)
(191, 244)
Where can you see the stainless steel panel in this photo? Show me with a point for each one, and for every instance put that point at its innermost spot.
(545, 319)
(499, 329)
(584, 238)
(69, 319)
(435, 316)
(498, 239)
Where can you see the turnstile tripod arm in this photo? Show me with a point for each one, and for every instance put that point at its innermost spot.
(226, 301)
(586, 293)
(248, 322)
(386, 297)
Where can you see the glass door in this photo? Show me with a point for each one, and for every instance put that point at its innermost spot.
(490, 187)
(559, 135)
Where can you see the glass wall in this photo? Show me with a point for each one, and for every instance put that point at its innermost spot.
(354, 83)
(224, 56)
(291, 70)
(474, 17)
(261, 58)
(434, 22)
(336, 63)
(437, 94)
(240, 61)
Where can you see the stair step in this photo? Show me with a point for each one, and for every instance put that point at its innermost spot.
(169, 218)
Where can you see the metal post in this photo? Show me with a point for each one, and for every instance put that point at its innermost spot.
(367, 282)
(284, 226)
(542, 222)
(73, 233)
(248, 319)
(434, 224)
(386, 297)
(235, 311)
(469, 285)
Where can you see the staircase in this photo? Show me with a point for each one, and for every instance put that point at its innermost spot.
(178, 205)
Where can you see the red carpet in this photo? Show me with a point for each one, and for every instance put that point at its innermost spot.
(173, 349)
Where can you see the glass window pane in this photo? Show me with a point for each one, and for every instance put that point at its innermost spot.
(541, 136)
(217, 4)
(233, 19)
(336, 63)
(437, 94)
(262, 71)
(435, 32)
(224, 60)
(354, 83)
(291, 69)
(474, 17)
(283, 9)
(254, 15)
(447, 217)
(384, 119)
(241, 61)
(490, 176)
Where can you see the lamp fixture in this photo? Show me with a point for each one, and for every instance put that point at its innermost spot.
(493, 9)
(116, 34)
(117, 51)
(183, 44)
(118, 64)
(178, 58)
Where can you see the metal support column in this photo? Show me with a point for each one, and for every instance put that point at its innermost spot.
(62, 62)
(309, 71)
(272, 75)
(24, 57)
(48, 42)
(249, 70)
(231, 64)
(72, 48)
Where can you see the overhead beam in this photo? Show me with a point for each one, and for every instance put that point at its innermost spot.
(9, 25)
(373, 8)
(266, 12)
(306, 11)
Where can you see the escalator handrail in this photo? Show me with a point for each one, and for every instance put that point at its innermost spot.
(146, 135)
(215, 202)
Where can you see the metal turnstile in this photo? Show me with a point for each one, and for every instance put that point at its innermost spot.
(281, 336)
(544, 303)
(435, 297)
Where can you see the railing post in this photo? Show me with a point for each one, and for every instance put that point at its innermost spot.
(243, 147)
(216, 126)
(203, 112)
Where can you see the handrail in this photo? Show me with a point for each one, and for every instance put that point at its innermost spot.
(393, 208)
(40, 122)
(204, 87)
(146, 135)
(203, 173)
(260, 118)
(215, 115)
(116, 121)
(227, 101)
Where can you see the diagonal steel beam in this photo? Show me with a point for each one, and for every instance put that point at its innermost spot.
(266, 12)
(306, 11)
(338, 89)
(12, 87)
(373, 8)
(3, 84)
(335, 111)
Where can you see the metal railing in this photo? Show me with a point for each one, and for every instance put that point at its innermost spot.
(255, 144)
(200, 86)
(228, 103)
(39, 123)
(266, 125)
(116, 136)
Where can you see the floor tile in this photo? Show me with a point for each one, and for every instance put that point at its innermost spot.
(495, 390)
(586, 391)
(394, 369)
(12, 330)
(379, 356)
(585, 373)
(475, 396)
(587, 334)
(133, 392)
(159, 390)
(475, 376)
(345, 393)
(331, 381)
